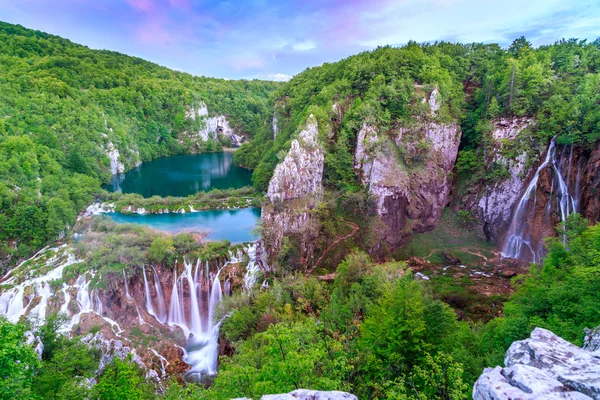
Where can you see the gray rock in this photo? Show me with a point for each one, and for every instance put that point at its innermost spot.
(591, 342)
(294, 190)
(305, 394)
(544, 366)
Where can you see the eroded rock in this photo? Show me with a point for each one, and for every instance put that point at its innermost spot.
(294, 190)
(305, 394)
(544, 366)
(409, 174)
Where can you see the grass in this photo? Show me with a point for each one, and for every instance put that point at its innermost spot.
(451, 237)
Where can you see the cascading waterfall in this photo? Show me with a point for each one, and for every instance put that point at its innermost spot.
(162, 311)
(519, 243)
(126, 286)
(195, 293)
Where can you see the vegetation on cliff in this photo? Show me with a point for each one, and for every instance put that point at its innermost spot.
(556, 84)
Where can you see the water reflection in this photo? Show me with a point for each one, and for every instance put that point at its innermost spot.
(182, 175)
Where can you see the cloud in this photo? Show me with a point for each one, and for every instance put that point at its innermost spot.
(243, 62)
(277, 77)
(304, 46)
(273, 39)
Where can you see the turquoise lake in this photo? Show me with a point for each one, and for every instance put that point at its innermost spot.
(233, 225)
(181, 176)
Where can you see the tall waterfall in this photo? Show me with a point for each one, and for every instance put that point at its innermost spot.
(195, 293)
(519, 242)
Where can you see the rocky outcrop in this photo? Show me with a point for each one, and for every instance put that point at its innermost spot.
(212, 126)
(542, 367)
(493, 203)
(293, 191)
(116, 165)
(409, 174)
(304, 394)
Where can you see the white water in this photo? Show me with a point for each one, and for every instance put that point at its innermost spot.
(162, 311)
(195, 293)
(518, 242)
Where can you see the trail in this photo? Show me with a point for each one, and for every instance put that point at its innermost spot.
(339, 239)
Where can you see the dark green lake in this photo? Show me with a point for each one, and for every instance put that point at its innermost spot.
(181, 176)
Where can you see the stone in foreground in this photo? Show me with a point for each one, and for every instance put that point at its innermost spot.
(304, 394)
(544, 366)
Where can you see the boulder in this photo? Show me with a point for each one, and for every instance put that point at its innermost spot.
(544, 366)
(305, 394)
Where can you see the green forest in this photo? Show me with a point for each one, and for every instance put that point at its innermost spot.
(62, 103)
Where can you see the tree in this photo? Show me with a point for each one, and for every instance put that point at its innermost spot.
(123, 379)
(18, 362)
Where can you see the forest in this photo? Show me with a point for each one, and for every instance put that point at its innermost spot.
(61, 104)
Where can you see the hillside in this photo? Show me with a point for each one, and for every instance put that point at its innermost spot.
(70, 116)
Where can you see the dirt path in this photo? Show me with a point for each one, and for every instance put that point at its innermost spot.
(355, 229)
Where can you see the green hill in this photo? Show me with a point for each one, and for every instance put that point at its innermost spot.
(62, 105)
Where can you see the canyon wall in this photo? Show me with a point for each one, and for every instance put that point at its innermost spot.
(408, 171)
(212, 125)
(293, 192)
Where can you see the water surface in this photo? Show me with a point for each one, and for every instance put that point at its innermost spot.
(181, 176)
(233, 225)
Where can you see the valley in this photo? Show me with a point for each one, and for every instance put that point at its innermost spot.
(362, 227)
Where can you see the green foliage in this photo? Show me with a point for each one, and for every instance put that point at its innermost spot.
(17, 362)
(561, 295)
(122, 380)
(287, 356)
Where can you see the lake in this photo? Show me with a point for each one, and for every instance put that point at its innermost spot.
(233, 225)
(181, 176)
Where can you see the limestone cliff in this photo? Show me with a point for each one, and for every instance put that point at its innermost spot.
(211, 126)
(408, 171)
(293, 191)
(544, 366)
(492, 202)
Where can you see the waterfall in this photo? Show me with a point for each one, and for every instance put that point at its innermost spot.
(126, 285)
(195, 317)
(252, 269)
(215, 298)
(149, 306)
(519, 242)
(159, 298)
(175, 306)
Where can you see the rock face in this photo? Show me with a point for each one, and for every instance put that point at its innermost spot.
(304, 394)
(212, 125)
(409, 174)
(293, 191)
(493, 204)
(542, 367)
(572, 169)
(116, 166)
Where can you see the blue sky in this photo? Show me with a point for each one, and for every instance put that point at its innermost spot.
(276, 39)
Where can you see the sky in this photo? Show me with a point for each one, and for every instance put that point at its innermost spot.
(277, 39)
